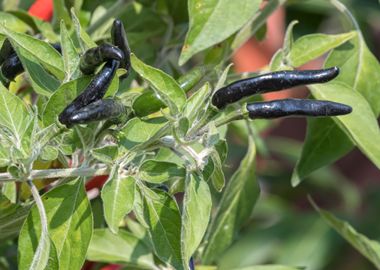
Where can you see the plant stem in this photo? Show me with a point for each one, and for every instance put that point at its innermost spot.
(114, 11)
(57, 173)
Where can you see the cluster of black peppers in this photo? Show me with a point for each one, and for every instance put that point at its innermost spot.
(90, 105)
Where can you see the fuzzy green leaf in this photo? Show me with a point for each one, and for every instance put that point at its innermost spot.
(69, 223)
(123, 247)
(235, 208)
(118, 198)
(195, 214)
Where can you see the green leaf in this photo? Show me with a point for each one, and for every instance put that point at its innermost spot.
(197, 102)
(166, 88)
(14, 23)
(43, 82)
(124, 248)
(42, 51)
(312, 46)
(255, 23)
(70, 56)
(106, 154)
(14, 116)
(360, 126)
(212, 21)
(69, 223)
(162, 215)
(84, 39)
(357, 64)
(118, 197)
(235, 208)
(195, 214)
(367, 247)
(157, 172)
(217, 176)
(12, 217)
(137, 131)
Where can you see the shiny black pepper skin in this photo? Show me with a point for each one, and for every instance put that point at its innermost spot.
(270, 82)
(94, 57)
(296, 107)
(93, 92)
(99, 110)
(119, 39)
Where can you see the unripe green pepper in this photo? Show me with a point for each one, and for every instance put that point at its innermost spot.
(148, 102)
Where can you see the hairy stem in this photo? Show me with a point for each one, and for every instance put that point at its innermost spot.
(57, 173)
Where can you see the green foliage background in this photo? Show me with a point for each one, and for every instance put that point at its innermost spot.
(222, 208)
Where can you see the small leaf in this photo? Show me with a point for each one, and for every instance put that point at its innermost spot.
(14, 116)
(195, 215)
(235, 208)
(42, 51)
(69, 219)
(42, 81)
(69, 53)
(84, 39)
(106, 154)
(217, 176)
(312, 46)
(367, 247)
(159, 171)
(137, 131)
(123, 247)
(213, 21)
(118, 198)
(166, 88)
(197, 102)
(162, 215)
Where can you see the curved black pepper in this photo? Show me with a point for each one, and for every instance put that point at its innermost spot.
(270, 82)
(296, 107)
(94, 91)
(119, 39)
(99, 110)
(94, 57)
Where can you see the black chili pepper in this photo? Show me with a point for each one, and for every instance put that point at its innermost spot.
(12, 67)
(94, 57)
(296, 107)
(274, 81)
(99, 110)
(6, 51)
(119, 39)
(93, 92)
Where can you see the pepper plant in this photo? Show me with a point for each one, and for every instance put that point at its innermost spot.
(167, 201)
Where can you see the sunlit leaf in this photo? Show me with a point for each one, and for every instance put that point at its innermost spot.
(166, 88)
(118, 198)
(69, 219)
(212, 21)
(195, 214)
(123, 247)
(239, 198)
